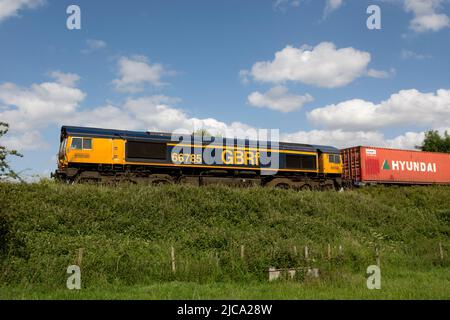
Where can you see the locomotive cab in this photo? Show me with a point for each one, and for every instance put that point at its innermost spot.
(330, 164)
(334, 164)
(73, 149)
(330, 161)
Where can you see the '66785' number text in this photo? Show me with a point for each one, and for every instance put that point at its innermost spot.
(185, 158)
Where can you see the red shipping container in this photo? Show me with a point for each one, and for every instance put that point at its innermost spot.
(381, 165)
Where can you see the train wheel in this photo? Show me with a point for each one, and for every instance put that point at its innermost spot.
(283, 186)
(160, 179)
(128, 182)
(280, 183)
(306, 187)
(327, 187)
(159, 182)
(87, 181)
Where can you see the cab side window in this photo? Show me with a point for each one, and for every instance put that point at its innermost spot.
(87, 144)
(77, 144)
(81, 144)
(334, 158)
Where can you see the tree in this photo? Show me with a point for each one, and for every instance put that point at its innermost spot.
(434, 142)
(206, 134)
(201, 133)
(5, 170)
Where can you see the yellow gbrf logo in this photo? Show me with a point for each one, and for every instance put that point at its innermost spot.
(240, 157)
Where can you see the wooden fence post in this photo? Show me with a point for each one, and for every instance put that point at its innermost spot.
(80, 257)
(242, 251)
(329, 251)
(295, 251)
(306, 253)
(441, 251)
(172, 254)
(377, 254)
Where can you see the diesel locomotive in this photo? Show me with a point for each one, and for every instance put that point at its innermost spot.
(97, 155)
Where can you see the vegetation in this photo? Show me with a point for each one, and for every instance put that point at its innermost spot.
(434, 142)
(201, 133)
(5, 170)
(127, 233)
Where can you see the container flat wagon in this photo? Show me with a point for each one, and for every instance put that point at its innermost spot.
(370, 165)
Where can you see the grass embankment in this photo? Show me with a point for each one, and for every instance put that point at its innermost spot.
(127, 233)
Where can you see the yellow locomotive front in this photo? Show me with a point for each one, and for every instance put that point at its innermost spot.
(87, 152)
(330, 164)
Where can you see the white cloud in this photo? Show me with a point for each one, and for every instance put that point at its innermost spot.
(30, 140)
(106, 116)
(157, 113)
(409, 140)
(426, 16)
(30, 110)
(135, 72)
(11, 8)
(381, 74)
(65, 79)
(323, 66)
(278, 98)
(36, 106)
(433, 22)
(244, 76)
(338, 138)
(282, 5)
(345, 139)
(93, 45)
(407, 54)
(407, 108)
(332, 5)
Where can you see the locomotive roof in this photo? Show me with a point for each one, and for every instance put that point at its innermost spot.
(166, 137)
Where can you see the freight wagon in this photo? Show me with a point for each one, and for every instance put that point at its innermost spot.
(370, 165)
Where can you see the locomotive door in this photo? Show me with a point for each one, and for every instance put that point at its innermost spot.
(116, 148)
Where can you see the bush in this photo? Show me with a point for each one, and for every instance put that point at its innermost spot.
(127, 232)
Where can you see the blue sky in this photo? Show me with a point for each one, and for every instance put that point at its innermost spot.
(309, 68)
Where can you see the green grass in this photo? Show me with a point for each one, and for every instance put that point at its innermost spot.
(127, 233)
(410, 285)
